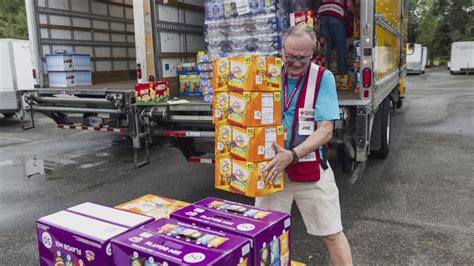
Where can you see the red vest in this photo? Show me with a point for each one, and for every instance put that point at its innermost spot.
(307, 169)
(335, 8)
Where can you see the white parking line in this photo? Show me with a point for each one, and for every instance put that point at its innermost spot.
(17, 139)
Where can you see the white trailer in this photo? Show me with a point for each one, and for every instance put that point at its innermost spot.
(415, 58)
(15, 74)
(462, 57)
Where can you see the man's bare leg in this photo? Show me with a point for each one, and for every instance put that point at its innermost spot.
(339, 249)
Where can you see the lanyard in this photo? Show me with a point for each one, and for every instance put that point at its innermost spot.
(285, 89)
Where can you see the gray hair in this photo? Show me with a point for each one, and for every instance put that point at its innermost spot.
(298, 31)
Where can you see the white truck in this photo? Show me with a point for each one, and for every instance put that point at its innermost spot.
(416, 60)
(426, 59)
(152, 37)
(462, 57)
(16, 58)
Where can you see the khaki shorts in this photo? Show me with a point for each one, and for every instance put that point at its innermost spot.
(318, 203)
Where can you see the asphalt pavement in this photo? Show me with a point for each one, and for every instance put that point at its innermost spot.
(415, 207)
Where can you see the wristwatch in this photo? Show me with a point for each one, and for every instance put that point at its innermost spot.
(295, 156)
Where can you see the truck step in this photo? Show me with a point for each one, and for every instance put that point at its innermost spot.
(88, 128)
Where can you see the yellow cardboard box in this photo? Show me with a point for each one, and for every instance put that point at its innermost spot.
(242, 73)
(249, 179)
(255, 144)
(152, 205)
(254, 108)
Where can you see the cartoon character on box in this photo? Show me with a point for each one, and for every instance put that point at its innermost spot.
(220, 76)
(275, 251)
(265, 255)
(221, 106)
(260, 78)
(236, 108)
(223, 139)
(274, 66)
(240, 178)
(225, 172)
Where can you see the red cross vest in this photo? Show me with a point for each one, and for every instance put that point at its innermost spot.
(333, 8)
(307, 168)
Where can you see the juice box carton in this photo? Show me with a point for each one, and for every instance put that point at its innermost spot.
(249, 179)
(278, 223)
(242, 73)
(255, 144)
(141, 247)
(235, 248)
(220, 74)
(223, 173)
(270, 240)
(152, 205)
(223, 140)
(274, 68)
(152, 92)
(220, 107)
(81, 235)
(254, 108)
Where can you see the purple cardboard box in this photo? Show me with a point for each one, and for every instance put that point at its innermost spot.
(235, 249)
(81, 234)
(140, 247)
(270, 240)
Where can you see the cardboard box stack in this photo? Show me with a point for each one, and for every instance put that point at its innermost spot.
(152, 92)
(247, 117)
(211, 231)
(81, 235)
(66, 69)
(189, 80)
(204, 67)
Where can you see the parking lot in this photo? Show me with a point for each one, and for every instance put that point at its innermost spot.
(415, 207)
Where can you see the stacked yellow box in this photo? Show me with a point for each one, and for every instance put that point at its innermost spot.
(247, 118)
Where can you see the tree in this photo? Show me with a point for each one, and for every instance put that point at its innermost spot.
(13, 19)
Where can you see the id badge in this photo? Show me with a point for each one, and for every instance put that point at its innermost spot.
(305, 121)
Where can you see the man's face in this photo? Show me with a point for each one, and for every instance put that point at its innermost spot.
(297, 54)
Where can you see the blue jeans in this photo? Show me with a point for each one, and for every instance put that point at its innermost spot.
(334, 29)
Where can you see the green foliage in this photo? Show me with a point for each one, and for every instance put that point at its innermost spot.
(437, 23)
(13, 19)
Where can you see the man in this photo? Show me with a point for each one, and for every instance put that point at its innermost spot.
(332, 26)
(310, 182)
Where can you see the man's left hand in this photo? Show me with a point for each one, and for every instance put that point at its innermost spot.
(281, 160)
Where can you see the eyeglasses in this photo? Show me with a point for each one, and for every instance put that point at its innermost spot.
(302, 59)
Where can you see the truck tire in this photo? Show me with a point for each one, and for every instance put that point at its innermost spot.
(8, 115)
(385, 131)
(347, 164)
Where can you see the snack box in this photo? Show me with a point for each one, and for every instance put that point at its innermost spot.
(81, 234)
(220, 74)
(273, 219)
(235, 248)
(186, 68)
(152, 92)
(223, 140)
(140, 247)
(220, 107)
(254, 108)
(255, 144)
(223, 173)
(249, 179)
(152, 205)
(269, 231)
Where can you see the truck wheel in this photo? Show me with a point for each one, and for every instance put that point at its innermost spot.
(8, 115)
(385, 131)
(347, 164)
